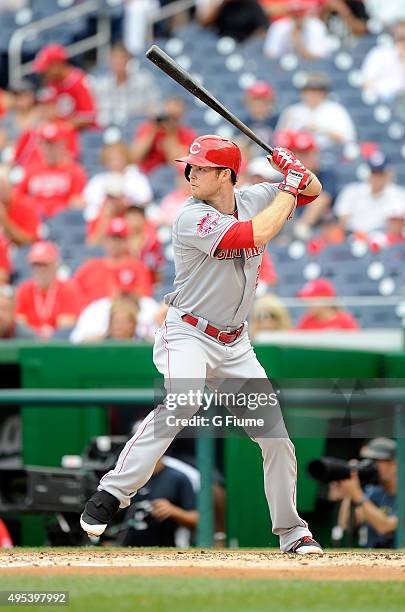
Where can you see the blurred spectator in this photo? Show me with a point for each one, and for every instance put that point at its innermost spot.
(125, 91)
(56, 182)
(166, 212)
(275, 9)
(9, 327)
(386, 11)
(94, 319)
(305, 147)
(167, 501)
(143, 241)
(138, 18)
(301, 32)
(260, 115)
(364, 207)
(394, 231)
(323, 314)
(345, 17)
(19, 221)
(5, 263)
(269, 314)
(44, 302)
(164, 138)
(330, 232)
(97, 277)
(23, 113)
(122, 324)
(121, 180)
(383, 70)
(123, 321)
(69, 84)
(167, 27)
(27, 150)
(328, 121)
(239, 19)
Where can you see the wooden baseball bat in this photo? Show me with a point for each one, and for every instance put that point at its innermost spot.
(181, 76)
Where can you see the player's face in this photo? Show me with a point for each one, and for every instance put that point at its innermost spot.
(205, 182)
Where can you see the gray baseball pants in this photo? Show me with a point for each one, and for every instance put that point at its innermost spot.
(183, 352)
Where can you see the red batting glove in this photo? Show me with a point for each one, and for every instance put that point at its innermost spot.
(282, 159)
(296, 179)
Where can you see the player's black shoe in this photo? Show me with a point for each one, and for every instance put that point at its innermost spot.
(98, 512)
(306, 546)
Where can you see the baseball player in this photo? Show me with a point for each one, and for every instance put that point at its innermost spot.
(219, 237)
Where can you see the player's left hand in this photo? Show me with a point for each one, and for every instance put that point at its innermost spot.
(162, 509)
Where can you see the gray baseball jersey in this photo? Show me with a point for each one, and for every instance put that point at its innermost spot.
(216, 284)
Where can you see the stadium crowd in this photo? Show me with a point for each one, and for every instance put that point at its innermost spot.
(83, 242)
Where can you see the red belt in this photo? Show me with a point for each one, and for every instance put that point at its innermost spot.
(210, 330)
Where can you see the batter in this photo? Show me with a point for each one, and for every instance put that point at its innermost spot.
(218, 241)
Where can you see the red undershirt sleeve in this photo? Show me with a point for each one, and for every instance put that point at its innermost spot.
(302, 200)
(239, 236)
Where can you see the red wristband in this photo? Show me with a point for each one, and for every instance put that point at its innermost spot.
(288, 189)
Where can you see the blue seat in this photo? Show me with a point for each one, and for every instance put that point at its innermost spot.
(68, 227)
(383, 316)
(20, 265)
(393, 259)
(163, 181)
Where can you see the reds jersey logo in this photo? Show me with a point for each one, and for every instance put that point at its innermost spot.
(236, 253)
(208, 223)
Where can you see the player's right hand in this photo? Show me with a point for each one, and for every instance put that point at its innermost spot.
(297, 177)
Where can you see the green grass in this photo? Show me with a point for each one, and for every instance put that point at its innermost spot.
(174, 594)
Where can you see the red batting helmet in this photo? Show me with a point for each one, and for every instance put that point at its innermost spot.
(213, 152)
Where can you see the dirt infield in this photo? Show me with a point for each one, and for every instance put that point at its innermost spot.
(199, 562)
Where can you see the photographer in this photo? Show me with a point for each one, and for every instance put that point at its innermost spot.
(163, 139)
(374, 506)
(166, 502)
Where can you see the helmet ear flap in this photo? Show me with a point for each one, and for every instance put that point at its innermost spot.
(187, 171)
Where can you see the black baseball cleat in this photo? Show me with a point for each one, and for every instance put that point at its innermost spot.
(306, 546)
(98, 512)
